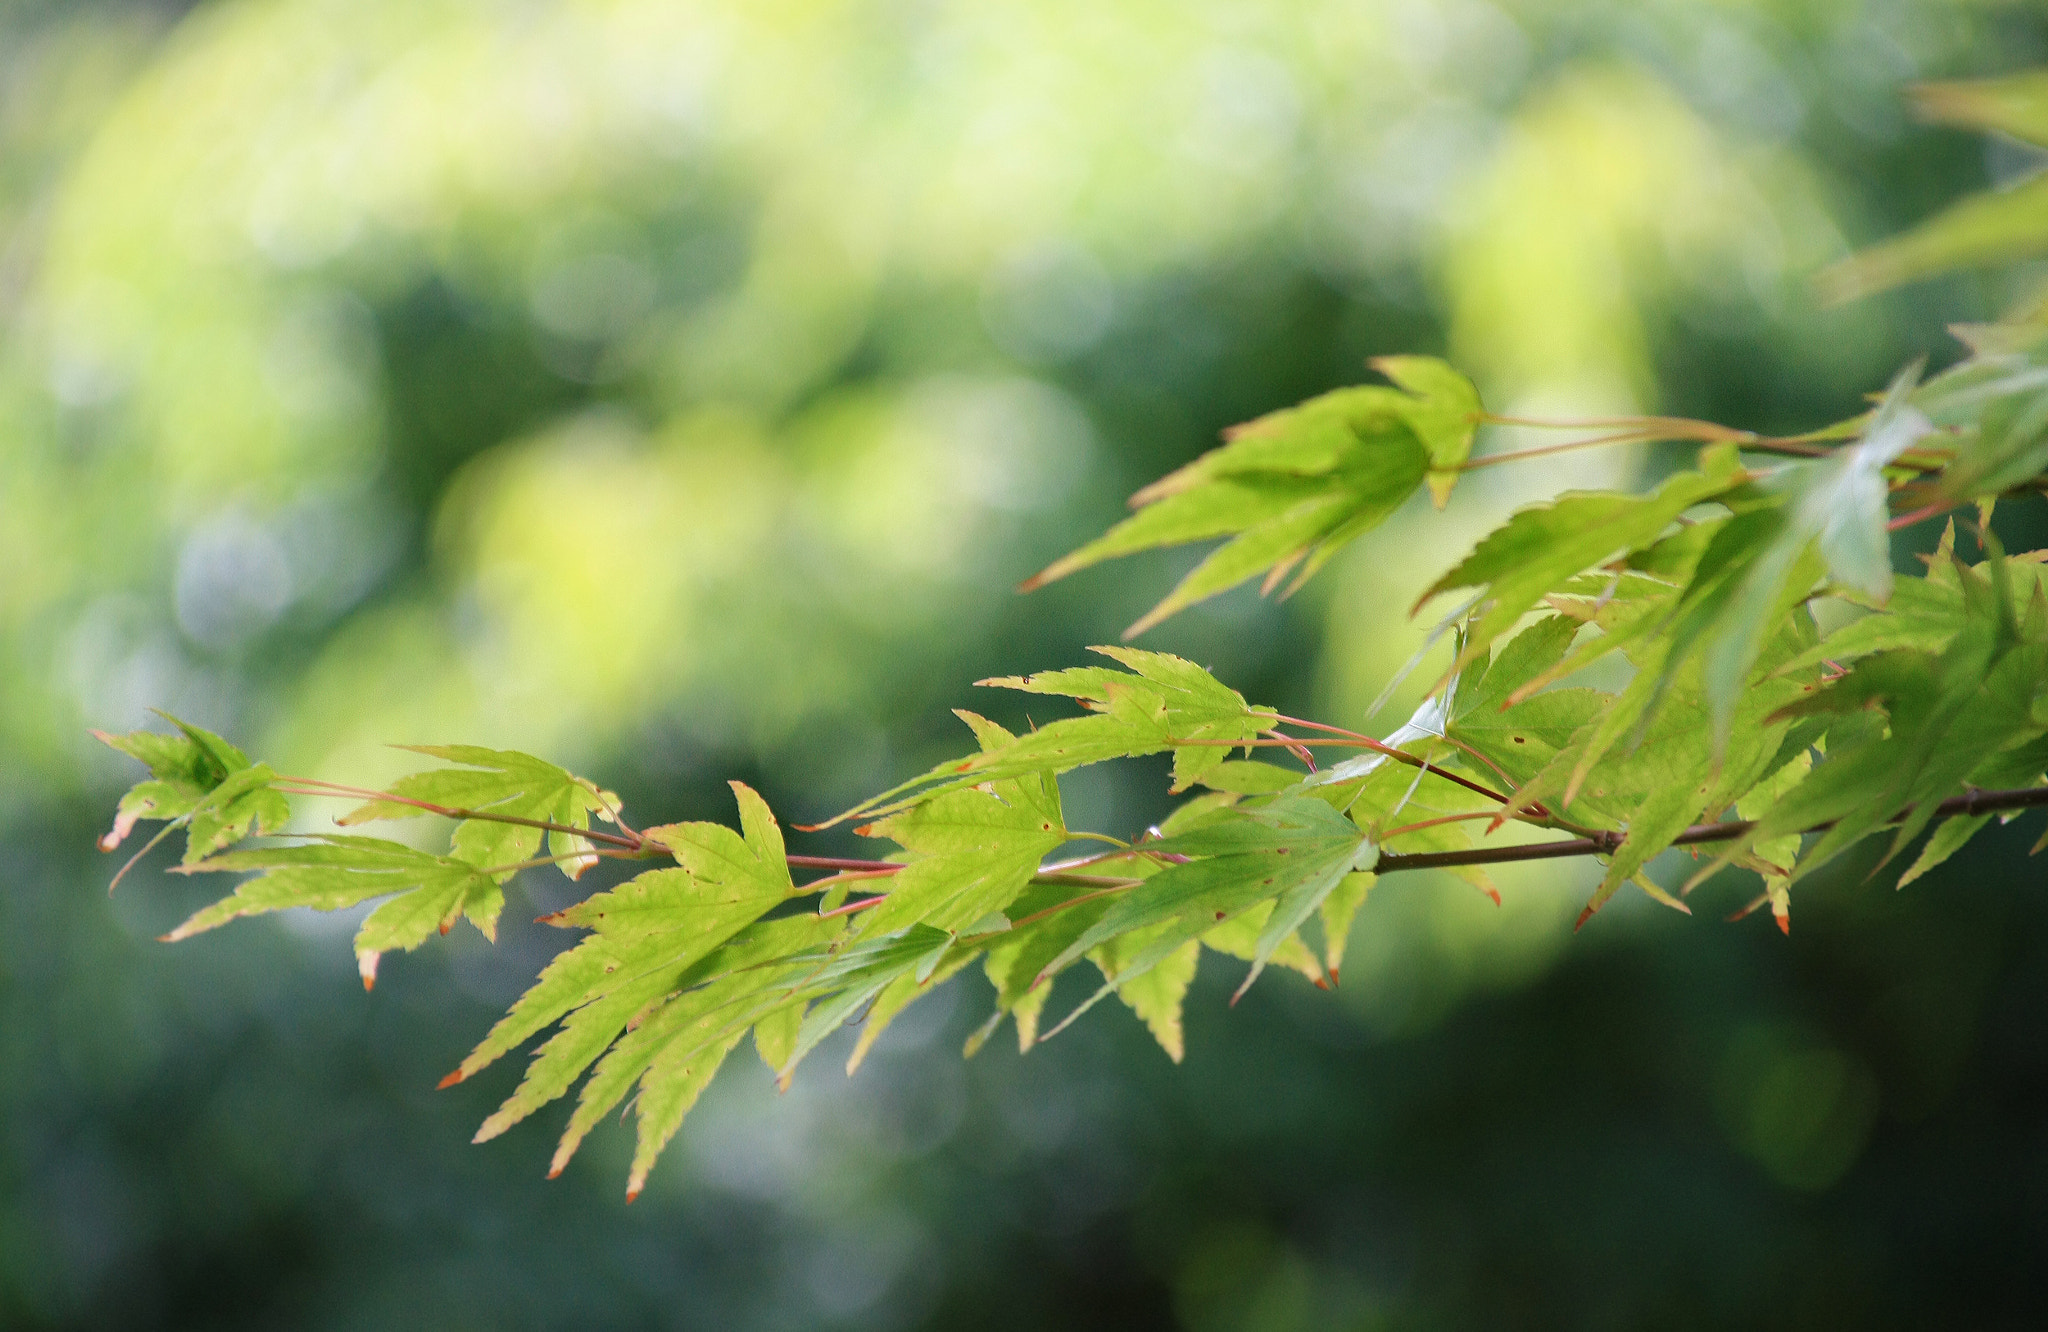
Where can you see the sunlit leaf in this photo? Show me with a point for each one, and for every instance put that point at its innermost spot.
(1295, 486)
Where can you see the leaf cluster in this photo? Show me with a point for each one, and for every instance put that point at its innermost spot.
(1721, 715)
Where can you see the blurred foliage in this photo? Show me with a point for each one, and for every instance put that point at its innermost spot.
(771, 343)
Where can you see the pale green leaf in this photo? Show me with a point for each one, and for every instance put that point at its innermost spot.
(1157, 994)
(1339, 910)
(503, 783)
(1949, 838)
(1258, 856)
(1542, 546)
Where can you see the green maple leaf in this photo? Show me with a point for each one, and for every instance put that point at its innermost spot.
(1674, 773)
(1161, 703)
(1387, 798)
(647, 933)
(502, 783)
(197, 780)
(1541, 547)
(1924, 615)
(1018, 958)
(431, 892)
(1292, 488)
(673, 1038)
(850, 976)
(1246, 937)
(1992, 410)
(1156, 994)
(971, 851)
(1292, 852)
(1517, 736)
(890, 1002)
(1946, 713)
(1829, 517)
(1338, 912)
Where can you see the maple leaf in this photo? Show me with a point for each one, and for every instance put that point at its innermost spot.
(1293, 487)
(1292, 852)
(336, 871)
(1161, 703)
(970, 851)
(200, 782)
(646, 934)
(501, 785)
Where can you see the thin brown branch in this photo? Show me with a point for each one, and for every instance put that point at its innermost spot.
(1545, 451)
(1361, 742)
(844, 876)
(1974, 802)
(1075, 901)
(849, 908)
(1920, 515)
(1416, 761)
(1299, 751)
(538, 861)
(1391, 833)
(1644, 429)
(842, 863)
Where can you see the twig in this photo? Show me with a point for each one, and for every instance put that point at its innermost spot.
(1299, 751)
(1643, 429)
(1380, 746)
(1921, 515)
(1975, 802)
(1361, 742)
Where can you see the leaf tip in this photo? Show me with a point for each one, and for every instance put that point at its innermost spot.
(366, 964)
(445, 1083)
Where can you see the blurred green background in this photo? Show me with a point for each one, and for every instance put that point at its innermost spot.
(679, 389)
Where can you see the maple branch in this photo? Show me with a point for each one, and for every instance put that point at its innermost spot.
(1415, 761)
(1973, 802)
(842, 863)
(1391, 833)
(1920, 515)
(1644, 429)
(1358, 742)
